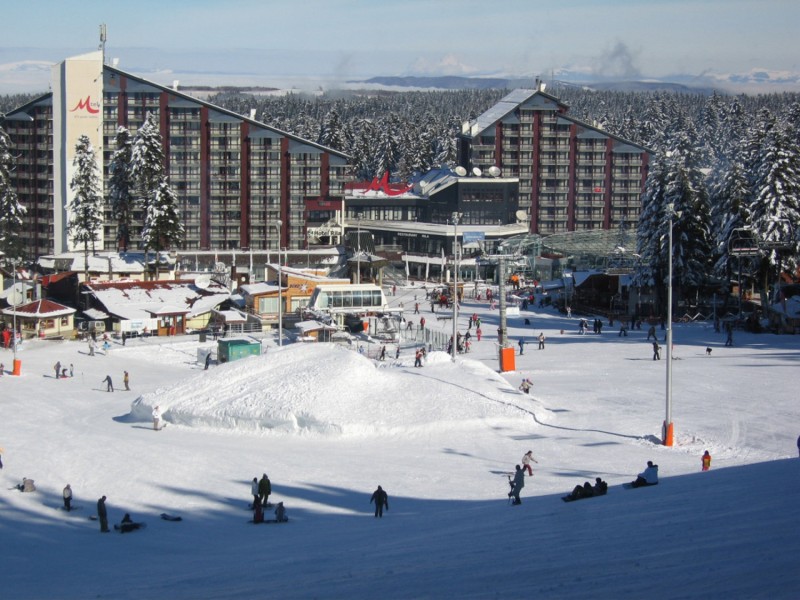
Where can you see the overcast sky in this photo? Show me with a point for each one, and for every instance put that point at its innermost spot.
(345, 39)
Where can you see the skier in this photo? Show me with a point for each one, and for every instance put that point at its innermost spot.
(264, 490)
(526, 461)
(109, 384)
(517, 484)
(521, 346)
(647, 477)
(381, 499)
(706, 461)
(67, 494)
(656, 351)
(156, 418)
(102, 515)
(126, 380)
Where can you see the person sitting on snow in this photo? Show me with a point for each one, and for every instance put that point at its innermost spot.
(26, 485)
(280, 513)
(600, 487)
(582, 491)
(647, 477)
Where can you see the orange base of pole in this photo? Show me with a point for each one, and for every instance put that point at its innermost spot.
(669, 434)
(507, 361)
(17, 367)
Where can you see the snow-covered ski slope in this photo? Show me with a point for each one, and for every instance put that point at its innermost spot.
(329, 424)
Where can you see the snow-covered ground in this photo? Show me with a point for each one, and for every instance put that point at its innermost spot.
(329, 424)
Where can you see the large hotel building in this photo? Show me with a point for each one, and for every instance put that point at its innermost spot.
(572, 176)
(242, 183)
(236, 178)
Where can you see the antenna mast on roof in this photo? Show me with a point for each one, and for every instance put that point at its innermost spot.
(103, 41)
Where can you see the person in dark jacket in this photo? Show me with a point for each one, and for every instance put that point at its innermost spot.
(517, 484)
(67, 495)
(600, 487)
(102, 515)
(381, 499)
(582, 491)
(264, 489)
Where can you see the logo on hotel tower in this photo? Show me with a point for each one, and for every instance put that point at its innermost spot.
(87, 105)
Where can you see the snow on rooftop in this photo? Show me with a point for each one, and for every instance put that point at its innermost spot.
(135, 301)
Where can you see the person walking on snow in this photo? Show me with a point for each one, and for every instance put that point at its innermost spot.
(126, 381)
(156, 418)
(381, 499)
(102, 515)
(656, 351)
(521, 346)
(541, 340)
(109, 383)
(264, 490)
(706, 461)
(526, 462)
(254, 491)
(67, 494)
(57, 367)
(516, 485)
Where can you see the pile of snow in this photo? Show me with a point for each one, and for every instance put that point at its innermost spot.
(327, 389)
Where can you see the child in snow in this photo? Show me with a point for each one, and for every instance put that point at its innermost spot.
(706, 461)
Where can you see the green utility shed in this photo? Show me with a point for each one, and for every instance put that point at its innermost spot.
(230, 350)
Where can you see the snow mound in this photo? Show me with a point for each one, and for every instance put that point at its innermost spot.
(326, 389)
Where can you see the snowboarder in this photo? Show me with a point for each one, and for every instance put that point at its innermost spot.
(67, 494)
(541, 340)
(381, 499)
(526, 462)
(102, 515)
(127, 525)
(109, 384)
(516, 485)
(57, 368)
(156, 418)
(647, 477)
(706, 461)
(521, 346)
(264, 490)
(126, 381)
(656, 351)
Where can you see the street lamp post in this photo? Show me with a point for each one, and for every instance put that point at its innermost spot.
(669, 432)
(15, 297)
(279, 223)
(454, 349)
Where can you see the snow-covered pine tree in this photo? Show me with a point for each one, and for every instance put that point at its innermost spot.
(11, 211)
(775, 207)
(147, 160)
(162, 224)
(85, 209)
(652, 269)
(121, 188)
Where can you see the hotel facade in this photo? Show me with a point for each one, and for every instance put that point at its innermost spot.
(240, 183)
(572, 176)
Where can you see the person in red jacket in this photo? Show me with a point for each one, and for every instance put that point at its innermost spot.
(706, 460)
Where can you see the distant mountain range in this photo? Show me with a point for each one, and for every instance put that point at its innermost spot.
(755, 81)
